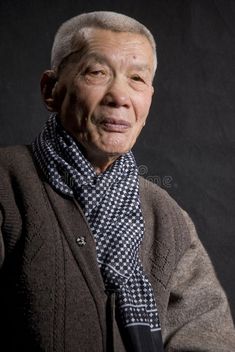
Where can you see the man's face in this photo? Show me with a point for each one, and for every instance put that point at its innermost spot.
(105, 94)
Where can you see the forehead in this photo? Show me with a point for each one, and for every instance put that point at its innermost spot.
(118, 46)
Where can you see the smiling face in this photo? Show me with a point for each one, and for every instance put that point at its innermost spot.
(103, 93)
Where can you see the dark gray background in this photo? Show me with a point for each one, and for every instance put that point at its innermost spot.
(188, 143)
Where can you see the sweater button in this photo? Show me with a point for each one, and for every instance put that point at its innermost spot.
(81, 241)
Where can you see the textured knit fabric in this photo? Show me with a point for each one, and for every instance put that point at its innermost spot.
(52, 295)
(111, 204)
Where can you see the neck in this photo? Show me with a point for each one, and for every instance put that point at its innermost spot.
(101, 164)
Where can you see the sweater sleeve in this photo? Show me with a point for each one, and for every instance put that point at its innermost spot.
(198, 316)
(2, 249)
(10, 217)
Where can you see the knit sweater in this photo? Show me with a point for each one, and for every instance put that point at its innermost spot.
(52, 295)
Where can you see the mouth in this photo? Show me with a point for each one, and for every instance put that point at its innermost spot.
(114, 125)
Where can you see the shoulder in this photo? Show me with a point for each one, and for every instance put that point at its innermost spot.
(14, 156)
(154, 197)
(17, 163)
(166, 222)
(18, 171)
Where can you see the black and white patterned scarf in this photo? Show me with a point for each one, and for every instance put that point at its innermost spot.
(111, 204)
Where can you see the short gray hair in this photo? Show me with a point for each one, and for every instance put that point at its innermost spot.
(63, 45)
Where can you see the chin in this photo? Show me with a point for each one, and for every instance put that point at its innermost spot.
(116, 146)
(116, 150)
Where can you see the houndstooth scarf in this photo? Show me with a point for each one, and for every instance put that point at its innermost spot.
(111, 204)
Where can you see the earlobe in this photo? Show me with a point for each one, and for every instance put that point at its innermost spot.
(48, 83)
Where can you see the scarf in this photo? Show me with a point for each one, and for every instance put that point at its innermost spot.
(111, 203)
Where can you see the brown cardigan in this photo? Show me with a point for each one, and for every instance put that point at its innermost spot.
(52, 295)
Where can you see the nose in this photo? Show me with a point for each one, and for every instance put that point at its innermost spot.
(117, 94)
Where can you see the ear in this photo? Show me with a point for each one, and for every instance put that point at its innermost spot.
(152, 90)
(48, 84)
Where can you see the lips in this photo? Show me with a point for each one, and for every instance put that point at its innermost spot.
(114, 125)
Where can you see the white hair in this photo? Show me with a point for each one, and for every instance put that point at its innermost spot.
(69, 31)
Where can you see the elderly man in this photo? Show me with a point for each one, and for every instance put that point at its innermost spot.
(93, 257)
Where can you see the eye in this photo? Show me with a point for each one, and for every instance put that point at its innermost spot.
(97, 72)
(137, 78)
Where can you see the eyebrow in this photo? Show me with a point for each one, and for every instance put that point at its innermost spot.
(142, 67)
(95, 57)
(103, 60)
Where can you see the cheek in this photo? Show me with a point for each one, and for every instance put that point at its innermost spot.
(142, 106)
(87, 98)
(75, 106)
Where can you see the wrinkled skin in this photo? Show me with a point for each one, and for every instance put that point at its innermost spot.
(103, 93)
